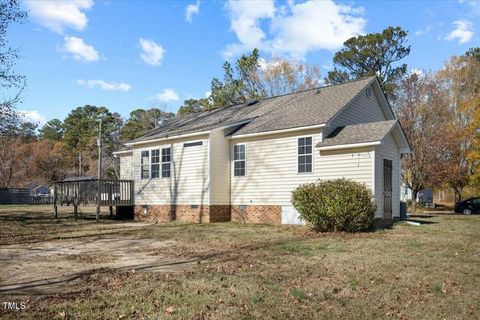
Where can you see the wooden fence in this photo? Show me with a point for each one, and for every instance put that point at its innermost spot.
(43, 199)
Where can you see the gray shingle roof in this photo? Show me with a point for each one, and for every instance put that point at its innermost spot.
(358, 133)
(300, 109)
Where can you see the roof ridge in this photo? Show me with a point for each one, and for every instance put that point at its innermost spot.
(285, 94)
(268, 107)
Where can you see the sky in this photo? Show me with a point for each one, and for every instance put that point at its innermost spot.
(137, 54)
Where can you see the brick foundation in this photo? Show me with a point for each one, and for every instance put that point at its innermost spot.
(220, 213)
(156, 213)
(269, 214)
(184, 213)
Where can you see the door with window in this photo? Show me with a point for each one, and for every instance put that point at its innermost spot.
(387, 189)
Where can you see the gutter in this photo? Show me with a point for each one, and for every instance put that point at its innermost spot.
(122, 152)
(351, 145)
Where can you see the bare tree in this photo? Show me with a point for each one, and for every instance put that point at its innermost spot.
(11, 84)
(281, 76)
(421, 106)
(10, 160)
(458, 160)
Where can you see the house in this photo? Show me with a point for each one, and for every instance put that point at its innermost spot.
(37, 189)
(241, 163)
(423, 196)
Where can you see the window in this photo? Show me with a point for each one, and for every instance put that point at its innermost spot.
(166, 160)
(305, 155)
(192, 144)
(145, 162)
(155, 160)
(239, 160)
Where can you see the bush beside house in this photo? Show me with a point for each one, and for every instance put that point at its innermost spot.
(335, 205)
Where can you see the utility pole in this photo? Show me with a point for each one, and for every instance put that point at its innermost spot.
(99, 175)
(80, 164)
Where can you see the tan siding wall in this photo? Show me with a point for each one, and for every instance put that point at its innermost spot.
(126, 166)
(188, 183)
(361, 110)
(272, 168)
(388, 150)
(219, 168)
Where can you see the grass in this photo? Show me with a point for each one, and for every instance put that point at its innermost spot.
(267, 272)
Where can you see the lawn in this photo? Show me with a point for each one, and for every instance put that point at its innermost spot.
(234, 271)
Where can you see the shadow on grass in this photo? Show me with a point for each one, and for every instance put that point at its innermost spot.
(421, 216)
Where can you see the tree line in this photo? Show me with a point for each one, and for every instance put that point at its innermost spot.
(439, 111)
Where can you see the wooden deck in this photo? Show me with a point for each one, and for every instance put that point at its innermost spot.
(93, 192)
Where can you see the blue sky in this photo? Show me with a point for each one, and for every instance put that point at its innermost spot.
(132, 54)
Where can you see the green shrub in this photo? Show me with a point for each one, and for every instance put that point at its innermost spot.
(335, 205)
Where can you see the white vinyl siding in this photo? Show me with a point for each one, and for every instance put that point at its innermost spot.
(360, 110)
(387, 150)
(188, 181)
(126, 166)
(219, 168)
(272, 172)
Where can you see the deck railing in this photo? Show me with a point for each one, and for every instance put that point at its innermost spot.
(85, 193)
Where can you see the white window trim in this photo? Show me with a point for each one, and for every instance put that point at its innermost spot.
(158, 163)
(145, 165)
(169, 162)
(298, 155)
(233, 159)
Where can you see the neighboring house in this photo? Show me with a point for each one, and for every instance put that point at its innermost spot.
(241, 162)
(423, 196)
(405, 193)
(37, 189)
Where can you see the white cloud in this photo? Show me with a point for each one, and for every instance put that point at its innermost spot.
(192, 9)
(80, 50)
(293, 30)
(59, 15)
(167, 95)
(265, 65)
(418, 72)
(208, 94)
(152, 53)
(104, 85)
(33, 116)
(463, 31)
(422, 31)
(245, 22)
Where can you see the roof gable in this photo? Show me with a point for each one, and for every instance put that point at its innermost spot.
(364, 107)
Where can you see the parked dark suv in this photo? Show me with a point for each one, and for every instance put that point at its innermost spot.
(468, 206)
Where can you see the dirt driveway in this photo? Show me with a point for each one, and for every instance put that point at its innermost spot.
(37, 265)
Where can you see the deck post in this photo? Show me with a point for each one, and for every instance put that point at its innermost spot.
(111, 211)
(99, 199)
(75, 211)
(55, 210)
